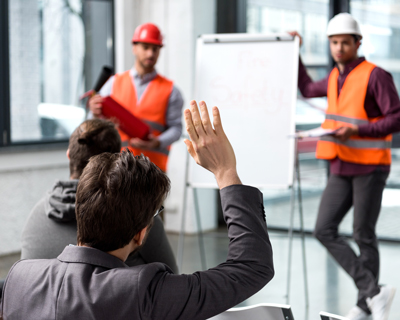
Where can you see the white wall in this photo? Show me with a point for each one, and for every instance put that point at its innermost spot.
(25, 178)
(180, 21)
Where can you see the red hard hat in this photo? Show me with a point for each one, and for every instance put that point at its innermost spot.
(147, 33)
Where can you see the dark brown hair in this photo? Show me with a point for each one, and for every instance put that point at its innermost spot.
(91, 138)
(117, 196)
(356, 37)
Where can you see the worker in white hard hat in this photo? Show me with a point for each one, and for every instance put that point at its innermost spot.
(363, 111)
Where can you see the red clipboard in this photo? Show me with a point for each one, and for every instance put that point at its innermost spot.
(128, 123)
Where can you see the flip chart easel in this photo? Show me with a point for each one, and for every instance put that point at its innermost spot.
(253, 81)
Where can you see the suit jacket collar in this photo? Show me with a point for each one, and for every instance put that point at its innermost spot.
(75, 254)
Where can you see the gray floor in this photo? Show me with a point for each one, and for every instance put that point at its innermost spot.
(330, 289)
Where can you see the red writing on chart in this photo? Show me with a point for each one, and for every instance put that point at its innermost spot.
(249, 94)
(249, 60)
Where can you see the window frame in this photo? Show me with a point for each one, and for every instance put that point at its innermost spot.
(4, 77)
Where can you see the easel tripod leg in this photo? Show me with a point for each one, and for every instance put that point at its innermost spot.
(290, 238)
(200, 230)
(183, 218)
(296, 177)
(182, 231)
(303, 240)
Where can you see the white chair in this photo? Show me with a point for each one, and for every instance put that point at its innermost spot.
(263, 311)
(330, 316)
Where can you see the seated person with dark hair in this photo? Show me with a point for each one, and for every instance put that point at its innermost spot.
(117, 198)
(52, 223)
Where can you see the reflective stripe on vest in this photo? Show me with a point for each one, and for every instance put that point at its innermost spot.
(346, 119)
(151, 108)
(155, 125)
(347, 109)
(360, 143)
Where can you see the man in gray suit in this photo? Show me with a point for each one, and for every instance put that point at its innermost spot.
(117, 198)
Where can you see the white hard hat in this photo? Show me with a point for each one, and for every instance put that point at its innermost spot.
(343, 23)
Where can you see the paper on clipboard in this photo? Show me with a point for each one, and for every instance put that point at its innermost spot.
(317, 132)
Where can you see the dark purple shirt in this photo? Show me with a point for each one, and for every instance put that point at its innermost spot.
(381, 100)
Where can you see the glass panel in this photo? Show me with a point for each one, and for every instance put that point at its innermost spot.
(380, 26)
(51, 50)
(99, 39)
(310, 19)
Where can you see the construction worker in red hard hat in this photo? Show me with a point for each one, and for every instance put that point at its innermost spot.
(363, 111)
(148, 96)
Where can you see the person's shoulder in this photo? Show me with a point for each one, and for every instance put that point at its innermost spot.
(151, 271)
(118, 75)
(37, 214)
(380, 78)
(144, 269)
(38, 208)
(176, 94)
(165, 79)
(43, 237)
(26, 272)
(141, 276)
(153, 268)
(25, 267)
(378, 72)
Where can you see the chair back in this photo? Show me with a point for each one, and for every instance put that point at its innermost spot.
(263, 311)
(330, 316)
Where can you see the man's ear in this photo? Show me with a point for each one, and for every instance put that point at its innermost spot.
(139, 237)
(68, 154)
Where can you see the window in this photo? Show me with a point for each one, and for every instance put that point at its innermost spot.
(55, 51)
(308, 17)
(380, 25)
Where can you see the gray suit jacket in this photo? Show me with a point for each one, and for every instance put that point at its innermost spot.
(85, 283)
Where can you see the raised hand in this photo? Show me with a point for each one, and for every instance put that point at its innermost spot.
(209, 146)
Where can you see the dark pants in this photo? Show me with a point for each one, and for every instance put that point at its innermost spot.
(364, 192)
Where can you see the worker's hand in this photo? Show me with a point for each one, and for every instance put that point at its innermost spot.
(209, 147)
(95, 105)
(294, 34)
(344, 133)
(152, 143)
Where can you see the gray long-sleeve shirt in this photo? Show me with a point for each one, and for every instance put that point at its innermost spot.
(174, 109)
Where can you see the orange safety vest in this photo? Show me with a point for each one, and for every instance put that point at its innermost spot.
(347, 109)
(151, 108)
